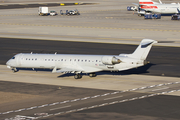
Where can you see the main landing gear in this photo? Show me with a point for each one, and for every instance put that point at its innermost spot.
(77, 76)
(92, 74)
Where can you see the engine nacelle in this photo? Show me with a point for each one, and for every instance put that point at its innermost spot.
(110, 60)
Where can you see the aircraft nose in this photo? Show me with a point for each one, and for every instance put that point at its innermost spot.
(8, 63)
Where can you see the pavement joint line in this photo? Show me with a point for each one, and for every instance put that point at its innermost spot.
(107, 94)
(86, 27)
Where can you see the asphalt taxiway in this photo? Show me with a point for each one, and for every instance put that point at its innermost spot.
(65, 102)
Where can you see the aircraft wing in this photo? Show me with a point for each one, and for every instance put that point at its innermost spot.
(72, 69)
(65, 70)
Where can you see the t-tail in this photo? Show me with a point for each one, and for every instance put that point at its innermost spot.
(148, 2)
(142, 50)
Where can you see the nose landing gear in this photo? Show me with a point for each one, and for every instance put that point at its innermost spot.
(14, 70)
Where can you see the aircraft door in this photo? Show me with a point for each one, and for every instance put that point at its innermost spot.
(18, 59)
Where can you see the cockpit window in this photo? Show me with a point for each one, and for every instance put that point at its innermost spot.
(13, 58)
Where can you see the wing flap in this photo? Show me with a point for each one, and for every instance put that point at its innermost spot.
(65, 70)
(84, 69)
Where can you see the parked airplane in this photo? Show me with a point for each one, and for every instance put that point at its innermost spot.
(71, 63)
(155, 7)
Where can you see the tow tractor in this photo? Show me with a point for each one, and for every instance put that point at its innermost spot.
(175, 17)
(152, 16)
(70, 12)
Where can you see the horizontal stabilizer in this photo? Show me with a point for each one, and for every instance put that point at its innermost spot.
(166, 41)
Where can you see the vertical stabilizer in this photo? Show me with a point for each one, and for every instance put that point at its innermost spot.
(143, 49)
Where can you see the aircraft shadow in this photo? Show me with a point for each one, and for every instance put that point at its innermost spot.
(139, 70)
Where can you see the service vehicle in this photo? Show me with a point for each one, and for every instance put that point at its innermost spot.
(73, 12)
(43, 11)
(53, 13)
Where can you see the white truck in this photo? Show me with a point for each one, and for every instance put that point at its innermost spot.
(43, 11)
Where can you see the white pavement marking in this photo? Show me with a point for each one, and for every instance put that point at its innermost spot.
(42, 106)
(85, 98)
(82, 109)
(160, 89)
(75, 100)
(113, 97)
(113, 102)
(95, 96)
(92, 106)
(103, 104)
(114, 93)
(103, 95)
(60, 107)
(134, 98)
(54, 103)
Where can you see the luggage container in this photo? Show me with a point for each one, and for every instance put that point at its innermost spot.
(148, 16)
(157, 16)
(175, 17)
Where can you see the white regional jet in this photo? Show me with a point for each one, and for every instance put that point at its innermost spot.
(155, 7)
(71, 63)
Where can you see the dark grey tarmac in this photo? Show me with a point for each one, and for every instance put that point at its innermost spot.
(24, 5)
(161, 107)
(164, 61)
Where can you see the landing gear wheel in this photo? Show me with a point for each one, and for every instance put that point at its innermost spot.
(14, 70)
(92, 74)
(78, 76)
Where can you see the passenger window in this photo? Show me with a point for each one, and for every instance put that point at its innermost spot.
(13, 58)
